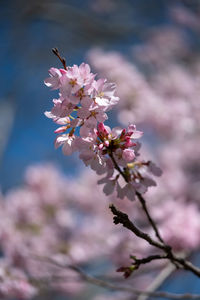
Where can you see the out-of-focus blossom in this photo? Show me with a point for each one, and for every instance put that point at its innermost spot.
(164, 99)
(54, 217)
(69, 221)
(185, 17)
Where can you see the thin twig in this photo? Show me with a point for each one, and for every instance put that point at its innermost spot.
(62, 59)
(122, 218)
(141, 199)
(148, 259)
(117, 167)
(162, 276)
(151, 221)
(111, 286)
(108, 285)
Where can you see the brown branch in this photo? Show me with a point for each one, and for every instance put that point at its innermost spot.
(151, 221)
(117, 167)
(145, 260)
(187, 265)
(111, 286)
(158, 281)
(122, 218)
(141, 199)
(62, 59)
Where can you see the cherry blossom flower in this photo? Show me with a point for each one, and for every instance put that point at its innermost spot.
(83, 104)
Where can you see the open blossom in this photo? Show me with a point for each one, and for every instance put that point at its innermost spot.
(67, 141)
(81, 110)
(83, 101)
(54, 80)
(51, 216)
(14, 283)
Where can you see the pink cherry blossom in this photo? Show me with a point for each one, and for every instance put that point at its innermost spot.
(54, 80)
(67, 141)
(128, 155)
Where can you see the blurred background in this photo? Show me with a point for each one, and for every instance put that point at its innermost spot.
(151, 35)
(29, 30)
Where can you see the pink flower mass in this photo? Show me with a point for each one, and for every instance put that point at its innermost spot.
(55, 218)
(121, 219)
(53, 223)
(82, 106)
(116, 154)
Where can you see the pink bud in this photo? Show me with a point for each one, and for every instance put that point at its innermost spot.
(128, 142)
(100, 146)
(123, 133)
(62, 71)
(102, 129)
(129, 133)
(60, 129)
(106, 143)
(128, 155)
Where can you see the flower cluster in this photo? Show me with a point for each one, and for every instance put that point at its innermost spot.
(51, 216)
(123, 151)
(171, 117)
(83, 101)
(81, 110)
